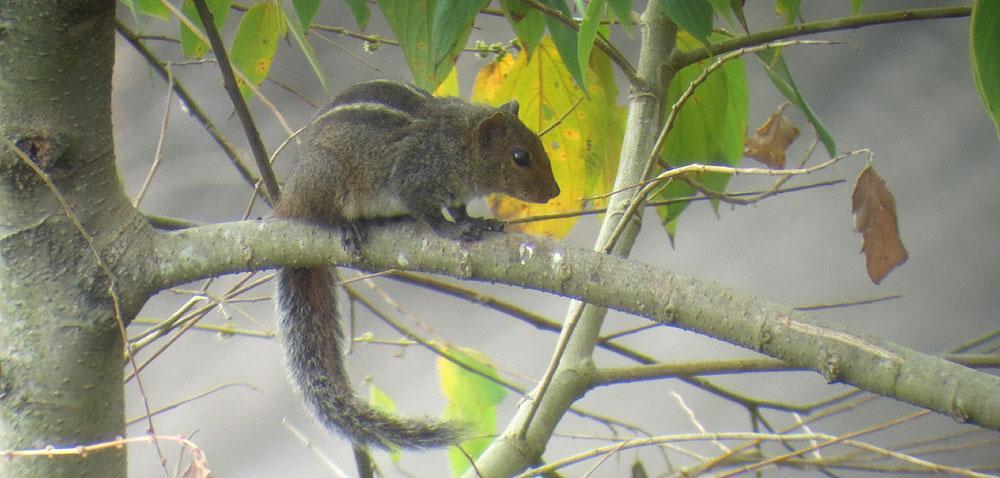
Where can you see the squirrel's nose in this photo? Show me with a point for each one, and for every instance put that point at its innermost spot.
(554, 192)
(545, 196)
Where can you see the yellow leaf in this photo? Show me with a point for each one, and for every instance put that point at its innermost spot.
(448, 87)
(584, 146)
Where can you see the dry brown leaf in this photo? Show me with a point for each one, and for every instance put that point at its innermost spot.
(195, 471)
(875, 218)
(198, 468)
(771, 140)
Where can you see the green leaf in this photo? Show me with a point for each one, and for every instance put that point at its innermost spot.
(781, 77)
(695, 16)
(984, 48)
(622, 10)
(565, 40)
(789, 9)
(856, 6)
(724, 8)
(151, 8)
(431, 34)
(359, 8)
(526, 22)
(410, 21)
(306, 10)
(588, 33)
(737, 7)
(302, 40)
(256, 42)
(191, 45)
(384, 403)
(453, 21)
(710, 128)
(472, 399)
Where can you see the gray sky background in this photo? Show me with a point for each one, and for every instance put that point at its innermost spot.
(903, 91)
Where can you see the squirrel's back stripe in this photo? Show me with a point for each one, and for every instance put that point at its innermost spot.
(376, 114)
(393, 95)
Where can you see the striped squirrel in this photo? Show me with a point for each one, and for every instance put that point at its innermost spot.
(385, 149)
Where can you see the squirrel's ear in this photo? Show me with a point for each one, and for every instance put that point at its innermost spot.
(510, 107)
(490, 128)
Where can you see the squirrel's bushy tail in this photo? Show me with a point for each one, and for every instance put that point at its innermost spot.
(309, 326)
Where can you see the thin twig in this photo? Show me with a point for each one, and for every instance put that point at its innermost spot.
(565, 335)
(683, 58)
(671, 119)
(158, 155)
(236, 157)
(640, 195)
(653, 184)
(330, 465)
(694, 420)
(352, 54)
(246, 119)
(833, 441)
(976, 342)
(247, 83)
(190, 399)
(443, 353)
(198, 461)
(723, 197)
(852, 303)
(611, 376)
(217, 329)
(663, 202)
(975, 360)
(562, 118)
(699, 437)
(182, 317)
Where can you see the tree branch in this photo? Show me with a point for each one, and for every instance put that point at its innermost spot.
(684, 58)
(872, 364)
(611, 376)
(246, 119)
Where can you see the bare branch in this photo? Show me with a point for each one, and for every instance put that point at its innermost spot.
(873, 364)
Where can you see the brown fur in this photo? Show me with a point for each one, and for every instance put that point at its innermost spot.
(383, 149)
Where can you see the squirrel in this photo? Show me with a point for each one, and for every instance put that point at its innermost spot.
(384, 149)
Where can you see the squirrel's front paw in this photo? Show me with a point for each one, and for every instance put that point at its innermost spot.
(474, 229)
(471, 229)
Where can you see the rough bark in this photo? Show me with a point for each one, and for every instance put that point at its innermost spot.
(60, 340)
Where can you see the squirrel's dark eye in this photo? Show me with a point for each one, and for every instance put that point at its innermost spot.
(521, 157)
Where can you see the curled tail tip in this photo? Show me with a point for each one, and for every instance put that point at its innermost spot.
(427, 435)
(310, 331)
(377, 429)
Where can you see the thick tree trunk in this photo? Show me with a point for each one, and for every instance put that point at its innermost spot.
(60, 336)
